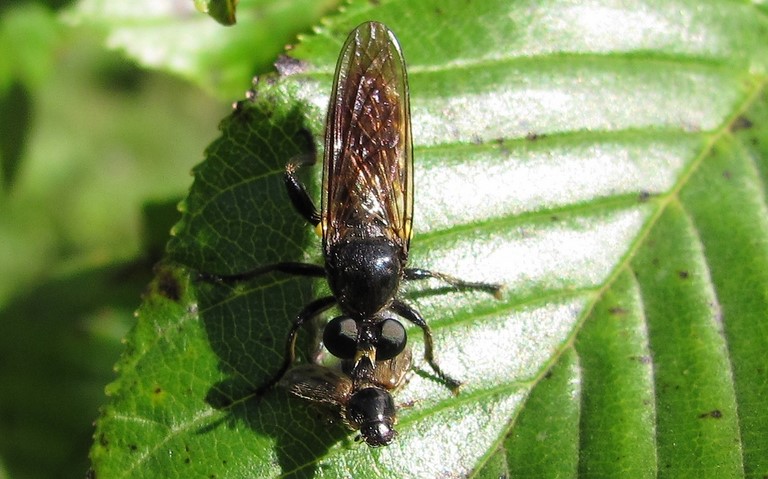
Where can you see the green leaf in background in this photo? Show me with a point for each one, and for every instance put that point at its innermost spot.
(85, 143)
(175, 37)
(13, 132)
(28, 32)
(52, 385)
(24, 65)
(605, 161)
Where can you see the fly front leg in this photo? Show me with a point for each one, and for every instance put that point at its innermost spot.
(295, 269)
(406, 311)
(418, 274)
(298, 193)
(309, 312)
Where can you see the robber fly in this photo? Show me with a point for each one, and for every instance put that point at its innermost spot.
(367, 212)
(366, 403)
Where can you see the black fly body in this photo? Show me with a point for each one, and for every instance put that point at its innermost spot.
(366, 219)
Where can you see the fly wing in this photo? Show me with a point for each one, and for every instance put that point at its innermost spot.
(318, 383)
(391, 374)
(368, 165)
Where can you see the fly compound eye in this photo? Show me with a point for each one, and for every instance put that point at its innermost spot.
(392, 339)
(340, 337)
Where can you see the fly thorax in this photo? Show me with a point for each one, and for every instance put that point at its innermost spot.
(364, 274)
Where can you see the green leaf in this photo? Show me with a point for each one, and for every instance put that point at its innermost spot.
(175, 37)
(606, 162)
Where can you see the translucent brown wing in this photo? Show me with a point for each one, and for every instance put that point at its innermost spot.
(323, 384)
(318, 383)
(391, 374)
(368, 166)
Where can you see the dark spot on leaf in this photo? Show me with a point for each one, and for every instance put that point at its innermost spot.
(741, 123)
(643, 196)
(727, 174)
(655, 261)
(133, 447)
(683, 274)
(438, 11)
(167, 284)
(531, 136)
(714, 414)
(286, 66)
(187, 461)
(617, 311)
(158, 390)
(554, 218)
(548, 375)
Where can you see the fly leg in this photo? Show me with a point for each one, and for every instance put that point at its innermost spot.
(406, 311)
(309, 312)
(295, 269)
(298, 193)
(417, 273)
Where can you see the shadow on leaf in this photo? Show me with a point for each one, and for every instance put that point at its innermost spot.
(239, 217)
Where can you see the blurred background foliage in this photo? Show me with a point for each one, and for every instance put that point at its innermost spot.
(99, 117)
